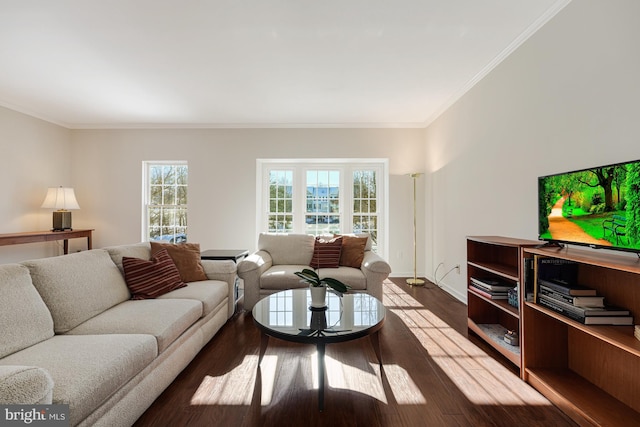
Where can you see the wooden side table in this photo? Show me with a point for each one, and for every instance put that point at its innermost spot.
(234, 255)
(46, 236)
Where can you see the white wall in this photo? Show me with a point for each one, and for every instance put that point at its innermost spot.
(35, 155)
(568, 98)
(107, 172)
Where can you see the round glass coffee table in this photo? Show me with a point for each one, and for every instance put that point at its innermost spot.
(287, 315)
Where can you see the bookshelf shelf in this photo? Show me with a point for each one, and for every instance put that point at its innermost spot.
(618, 336)
(503, 304)
(560, 386)
(498, 258)
(590, 372)
(500, 270)
(494, 335)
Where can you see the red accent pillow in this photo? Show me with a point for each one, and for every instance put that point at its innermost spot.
(326, 253)
(150, 279)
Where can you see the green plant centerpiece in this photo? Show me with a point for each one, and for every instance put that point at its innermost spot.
(318, 287)
(311, 277)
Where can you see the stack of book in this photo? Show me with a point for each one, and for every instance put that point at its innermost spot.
(580, 303)
(491, 288)
(636, 332)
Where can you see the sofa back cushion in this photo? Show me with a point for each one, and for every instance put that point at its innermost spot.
(136, 250)
(24, 317)
(294, 249)
(78, 286)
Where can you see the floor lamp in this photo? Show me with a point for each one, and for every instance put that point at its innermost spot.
(415, 281)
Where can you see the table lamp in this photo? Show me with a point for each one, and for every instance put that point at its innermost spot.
(61, 199)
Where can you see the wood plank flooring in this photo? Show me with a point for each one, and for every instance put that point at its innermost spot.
(432, 375)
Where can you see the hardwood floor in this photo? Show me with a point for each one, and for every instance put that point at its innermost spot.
(432, 375)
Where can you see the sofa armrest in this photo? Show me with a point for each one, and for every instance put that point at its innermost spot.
(260, 260)
(223, 270)
(26, 385)
(375, 270)
(250, 269)
(374, 263)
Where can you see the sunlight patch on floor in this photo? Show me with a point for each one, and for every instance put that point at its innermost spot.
(347, 377)
(404, 390)
(482, 379)
(236, 386)
(268, 375)
(394, 296)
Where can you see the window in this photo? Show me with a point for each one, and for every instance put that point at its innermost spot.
(165, 201)
(322, 213)
(280, 201)
(365, 202)
(324, 197)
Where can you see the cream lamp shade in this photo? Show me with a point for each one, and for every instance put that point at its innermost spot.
(62, 199)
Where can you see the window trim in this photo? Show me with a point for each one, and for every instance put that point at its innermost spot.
(344, 164)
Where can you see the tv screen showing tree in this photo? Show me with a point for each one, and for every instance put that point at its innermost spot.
(598, 207)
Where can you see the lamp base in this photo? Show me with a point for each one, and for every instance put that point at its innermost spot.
(61, 221)
(415, 282)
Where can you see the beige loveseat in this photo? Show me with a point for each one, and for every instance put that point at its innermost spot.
(271, 268)
(72, 335)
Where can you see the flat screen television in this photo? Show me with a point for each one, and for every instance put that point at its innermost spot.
(597, 207)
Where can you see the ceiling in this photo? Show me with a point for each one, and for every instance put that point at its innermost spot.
(253, 63)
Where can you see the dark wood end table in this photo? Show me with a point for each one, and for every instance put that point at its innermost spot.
(234, 255)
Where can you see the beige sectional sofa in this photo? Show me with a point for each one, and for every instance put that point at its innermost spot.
(271, 268)
(71, 334)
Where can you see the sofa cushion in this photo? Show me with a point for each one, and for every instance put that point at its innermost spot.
(150, 279)
(288, 248)
(351, 276)
(25, 385)
(165, 319)
(24, 317)
(78, 286)
(140, 250)
(326, 253)
(282, 277)
(211, 293)
(186, 256)
(352, 251)
(87, 370)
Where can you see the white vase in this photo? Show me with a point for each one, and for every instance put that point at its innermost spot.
(318, 296)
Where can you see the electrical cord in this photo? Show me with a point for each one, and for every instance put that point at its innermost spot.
(435, 274)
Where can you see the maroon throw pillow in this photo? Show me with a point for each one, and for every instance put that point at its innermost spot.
(150, 279)
(326, 253)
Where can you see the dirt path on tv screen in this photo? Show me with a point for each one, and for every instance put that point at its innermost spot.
(563, 229)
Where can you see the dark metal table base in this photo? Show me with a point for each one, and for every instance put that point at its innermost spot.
(320, 348)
